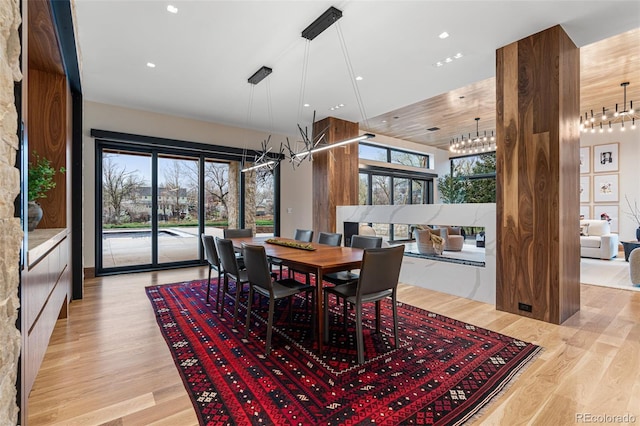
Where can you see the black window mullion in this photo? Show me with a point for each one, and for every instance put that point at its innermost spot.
(154, 208)
(201, 200)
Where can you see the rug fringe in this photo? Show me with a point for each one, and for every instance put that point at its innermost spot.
(505, 386)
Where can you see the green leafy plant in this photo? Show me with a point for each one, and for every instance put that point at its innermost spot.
(41, 175)
(303, 246)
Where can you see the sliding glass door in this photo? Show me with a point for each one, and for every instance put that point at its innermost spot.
(126, 209)
(178, 206)
(155, 203)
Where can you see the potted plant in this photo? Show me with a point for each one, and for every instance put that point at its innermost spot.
(634, 213)
(41, 175)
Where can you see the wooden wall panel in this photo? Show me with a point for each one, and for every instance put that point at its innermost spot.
(335, 173)
(48, 105)
(537, 88)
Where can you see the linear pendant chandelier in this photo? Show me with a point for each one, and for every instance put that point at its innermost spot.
(313, 144)
(622, 115)
(473, 144)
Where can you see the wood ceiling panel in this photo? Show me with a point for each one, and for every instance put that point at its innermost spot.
(603, 66)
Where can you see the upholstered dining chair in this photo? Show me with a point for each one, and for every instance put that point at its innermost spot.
(261, 282)
(238, 233)
(378, 280)
(230, 269)
(303, 235)
(330, 239)
(211, 256)
(357, 241)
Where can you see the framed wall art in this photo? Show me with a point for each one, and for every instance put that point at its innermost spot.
(585, 212)
(608, 213)
(605, 188)
(605, 158)
(585, 189)
(585, 159)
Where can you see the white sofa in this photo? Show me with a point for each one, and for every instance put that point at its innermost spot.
(596, 240)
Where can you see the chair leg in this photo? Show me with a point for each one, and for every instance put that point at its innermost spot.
(209, 284)
(359, 336)
(235, 309)
(270, 324)
(218, 291)
(225, 290)
(248, 324)
(325, 320)
(377, 316)
(344, 314)
(394, 307)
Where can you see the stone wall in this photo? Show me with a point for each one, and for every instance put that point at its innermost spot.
(10, 228)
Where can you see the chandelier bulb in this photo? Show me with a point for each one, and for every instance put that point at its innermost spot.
(604, 114)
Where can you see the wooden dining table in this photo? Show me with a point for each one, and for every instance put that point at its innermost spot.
(323, 259)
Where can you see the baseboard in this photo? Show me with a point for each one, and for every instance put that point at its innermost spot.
(89, 272)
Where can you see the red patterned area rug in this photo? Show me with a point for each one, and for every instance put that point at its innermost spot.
(443, 372)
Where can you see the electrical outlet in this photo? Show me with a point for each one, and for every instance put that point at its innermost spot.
(524, 307)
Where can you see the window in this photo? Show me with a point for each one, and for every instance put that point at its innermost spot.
(156, 200)
(390, 184)
(479, 174)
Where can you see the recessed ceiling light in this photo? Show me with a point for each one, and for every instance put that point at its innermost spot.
(384, 121)
(306, 105)
(359, 78)
(444, 35)
(439, 64)
(458, 55)
(448, 60)
(151, 65)
(172, 9)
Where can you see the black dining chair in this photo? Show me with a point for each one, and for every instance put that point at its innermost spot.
(230, 269)
(378, 280)
(238, 233)
(303, 235)
(262, 282)
(330, 239)
(211, 256)
(357, 241)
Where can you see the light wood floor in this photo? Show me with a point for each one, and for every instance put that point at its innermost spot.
(108, 364)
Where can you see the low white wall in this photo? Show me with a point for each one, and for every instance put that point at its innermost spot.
(471, 282)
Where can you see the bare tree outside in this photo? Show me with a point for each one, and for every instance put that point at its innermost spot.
(173, 186)
(118, 186)
(216, 186)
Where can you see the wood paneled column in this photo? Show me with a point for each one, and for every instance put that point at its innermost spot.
(538, 253)
(335, 173)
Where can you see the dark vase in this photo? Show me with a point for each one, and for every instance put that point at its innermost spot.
(638, 234)
(34, 215)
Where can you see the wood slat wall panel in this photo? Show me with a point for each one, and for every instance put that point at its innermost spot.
(335, 173)
(538, 256)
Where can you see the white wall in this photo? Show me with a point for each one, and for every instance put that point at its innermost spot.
(295, 184)
(628, 173)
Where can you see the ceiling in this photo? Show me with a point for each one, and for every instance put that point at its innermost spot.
(205, 53)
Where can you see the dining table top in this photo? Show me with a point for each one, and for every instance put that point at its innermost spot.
(322, 256)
